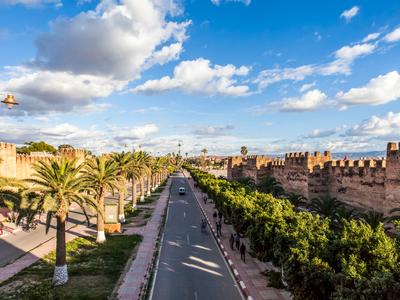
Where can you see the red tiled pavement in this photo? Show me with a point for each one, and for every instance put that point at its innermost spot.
(249, 272)
(134, 279)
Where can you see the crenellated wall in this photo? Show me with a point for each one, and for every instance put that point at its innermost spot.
(21, 166)
(368, 184)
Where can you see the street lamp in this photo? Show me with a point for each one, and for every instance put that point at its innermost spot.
(10, 101)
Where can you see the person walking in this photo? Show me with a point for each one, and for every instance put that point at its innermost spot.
(218, 224)
(220, 215)
(1, 228)
(232, 241)
(215, 215)
(243, 252)
(205, 199)
(237, 241)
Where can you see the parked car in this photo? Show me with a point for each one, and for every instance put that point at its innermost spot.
(182, 191)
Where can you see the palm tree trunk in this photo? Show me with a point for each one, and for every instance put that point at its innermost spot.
(101, 237)
(60, 275)
(121, 206)
(148, 181)
(142, 189)
(133, 193)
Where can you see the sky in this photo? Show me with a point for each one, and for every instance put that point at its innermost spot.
(275, 76)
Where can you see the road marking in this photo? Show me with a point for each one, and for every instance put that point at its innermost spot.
(187, 238)
(184, 214)
(195, 295)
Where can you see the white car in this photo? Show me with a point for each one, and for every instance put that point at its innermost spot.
(182, 191)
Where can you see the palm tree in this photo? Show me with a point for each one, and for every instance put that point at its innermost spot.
(326, 206)
(136, 169)
(145, 160)
(296, 199)
(248, 182)
(124, 162)
(58, 184)
(270, 185)
(244, 151)
(101, 176)
(374, 218)
(9, 195)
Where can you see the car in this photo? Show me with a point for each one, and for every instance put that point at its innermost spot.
(182, 191)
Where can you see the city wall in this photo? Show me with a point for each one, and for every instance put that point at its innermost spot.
(20, 166)
(365, 184)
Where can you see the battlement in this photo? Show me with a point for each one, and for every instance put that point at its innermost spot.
(26, 158)
(393, 150)
(4, 145)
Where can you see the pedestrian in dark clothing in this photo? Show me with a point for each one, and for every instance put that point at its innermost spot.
(237, 241)
(243, 252)
(220, 215)
(219, 234)
(232, 241)
(205, 199)
(215, 216)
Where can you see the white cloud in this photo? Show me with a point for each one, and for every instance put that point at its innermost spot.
(350, 13)
(32, 3)
(379, 90)
(200, 77)
(387, 126)
(218, 2)
(270, 76)
(371, 37)
(135, 133)
(312, 100)
(215, 131)
(393, 36)
(345, 57)
(97, 53)
(306, 87)
(317, 133)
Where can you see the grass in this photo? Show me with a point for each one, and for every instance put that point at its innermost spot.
(93, 271)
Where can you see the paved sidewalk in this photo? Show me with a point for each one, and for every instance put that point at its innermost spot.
(135, 277)
(34, 255)
(250, 272)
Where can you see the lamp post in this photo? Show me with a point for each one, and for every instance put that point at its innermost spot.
(10, 101)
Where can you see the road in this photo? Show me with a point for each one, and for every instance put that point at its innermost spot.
(190, 264)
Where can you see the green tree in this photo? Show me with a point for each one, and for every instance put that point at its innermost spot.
(326, 206)
(296, 199)
(270, 185)
(36, 147)
(124, 162)
(58, 184)
(244, 151)
(100, 175)
(374, 218)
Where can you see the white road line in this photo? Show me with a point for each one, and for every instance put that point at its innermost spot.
(195, 295)
(187, 238)
(184, 214)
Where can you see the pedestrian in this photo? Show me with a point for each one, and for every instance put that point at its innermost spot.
(232, 241)
(1, 228)
(237, 241)
(219, 227)
(205, 199)
(220, 215)
(243, 252)
(215, 216)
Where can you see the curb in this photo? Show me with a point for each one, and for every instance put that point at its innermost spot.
(242, 285)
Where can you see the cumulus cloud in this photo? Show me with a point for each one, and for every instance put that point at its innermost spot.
(32, 3)
(214, 130)
(378, 126)
(201, 77)
(270, 76)
(371, 37)
(306, 87)
(345, 57)
(312, 100)
(97, 53)
(218, 2)
(317, 133)
(379, 90)
(393, 36)
(350, 13)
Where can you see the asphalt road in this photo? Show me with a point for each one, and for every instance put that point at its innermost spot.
(190, 264)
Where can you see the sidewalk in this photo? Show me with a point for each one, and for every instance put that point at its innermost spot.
(249, 272)
(136, 276)
(31, 257)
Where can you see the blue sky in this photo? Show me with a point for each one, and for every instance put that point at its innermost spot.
(275, 76)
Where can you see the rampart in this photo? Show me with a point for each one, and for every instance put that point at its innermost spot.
(366, 184)
(20, 166)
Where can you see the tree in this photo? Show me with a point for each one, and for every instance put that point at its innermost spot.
(124, 162)
(244, 151)
(58, 184)
(204, 151)
(326, 206)
(296, 199)
(270, 185)
(36, 147)
(374, 218)
(65, 146)
(100, 175)
(248, 182)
